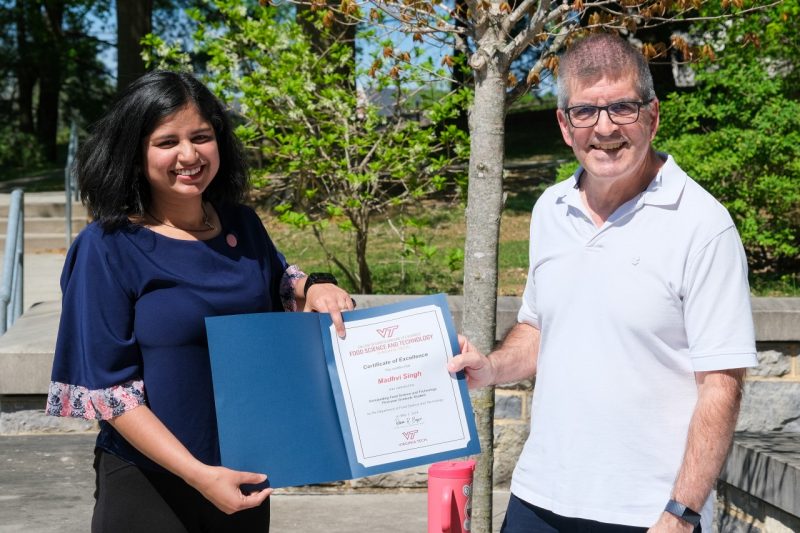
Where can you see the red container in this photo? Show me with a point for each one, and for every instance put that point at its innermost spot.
(450, 496)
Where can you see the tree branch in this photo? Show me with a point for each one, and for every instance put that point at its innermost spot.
(524, 86)
(520, 11)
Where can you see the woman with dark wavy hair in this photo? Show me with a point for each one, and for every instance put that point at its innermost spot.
(163, 177)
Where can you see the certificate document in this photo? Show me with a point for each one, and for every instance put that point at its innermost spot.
(303, 406)
(400, 400)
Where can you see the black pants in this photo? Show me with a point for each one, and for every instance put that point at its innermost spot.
(135, 500)
(522, 517)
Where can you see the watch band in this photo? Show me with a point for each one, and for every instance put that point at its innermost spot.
(318, 277)
(684, 513)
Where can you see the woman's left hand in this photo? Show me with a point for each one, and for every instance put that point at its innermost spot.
(328, 298)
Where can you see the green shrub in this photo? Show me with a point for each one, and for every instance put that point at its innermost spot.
(19, 151)
(738, 135)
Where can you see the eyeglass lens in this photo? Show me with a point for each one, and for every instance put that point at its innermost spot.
(620, 113)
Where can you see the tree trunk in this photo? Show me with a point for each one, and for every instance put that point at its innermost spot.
(47, 110)
(364, 274)
(50, 77)
(26, 79)
(25, 69)
(134, 21)
(484, 206)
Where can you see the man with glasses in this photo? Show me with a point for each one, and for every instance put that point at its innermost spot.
(635, 321)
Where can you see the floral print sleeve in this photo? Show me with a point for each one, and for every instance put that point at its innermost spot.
(99, 404)
(290, 278)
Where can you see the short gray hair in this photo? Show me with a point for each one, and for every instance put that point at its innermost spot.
(603, 55)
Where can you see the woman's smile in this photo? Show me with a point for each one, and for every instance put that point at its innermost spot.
(181, 155)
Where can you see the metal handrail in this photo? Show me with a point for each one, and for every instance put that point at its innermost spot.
(11, 289)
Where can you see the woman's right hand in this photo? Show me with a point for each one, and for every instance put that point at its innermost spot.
(219, 485)
(223, 487)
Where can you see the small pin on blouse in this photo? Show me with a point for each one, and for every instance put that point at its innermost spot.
(231, 240)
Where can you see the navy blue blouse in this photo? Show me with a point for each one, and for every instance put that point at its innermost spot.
(132, 325)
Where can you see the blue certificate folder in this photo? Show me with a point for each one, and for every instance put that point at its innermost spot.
(280, 409)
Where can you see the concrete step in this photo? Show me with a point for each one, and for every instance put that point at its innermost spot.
(53, 242)
(45, 214)
(46, 209)
(44, 204)
(26, 350)
(42, 276)
(35, 225)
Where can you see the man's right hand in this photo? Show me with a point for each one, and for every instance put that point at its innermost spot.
(477, 367)
(513, 360)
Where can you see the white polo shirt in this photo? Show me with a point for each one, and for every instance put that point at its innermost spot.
(627, 312)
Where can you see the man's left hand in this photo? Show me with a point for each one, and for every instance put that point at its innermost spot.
(669, 523)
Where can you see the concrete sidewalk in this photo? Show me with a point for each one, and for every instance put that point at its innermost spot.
(47, 484)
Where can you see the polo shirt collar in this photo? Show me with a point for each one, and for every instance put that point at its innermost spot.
(665, 189)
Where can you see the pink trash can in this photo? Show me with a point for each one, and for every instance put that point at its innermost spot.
(450, 496)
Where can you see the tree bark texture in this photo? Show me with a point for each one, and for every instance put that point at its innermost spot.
(364, 274)
(50, 70)
(134, 21)
(47, 110)
(40, 47)
(484, 206)
(25, 69)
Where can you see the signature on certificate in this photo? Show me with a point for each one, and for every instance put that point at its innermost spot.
(406, 420)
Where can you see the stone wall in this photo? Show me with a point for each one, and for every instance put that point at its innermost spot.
(772, 392)
(771, 399)
(759, 488)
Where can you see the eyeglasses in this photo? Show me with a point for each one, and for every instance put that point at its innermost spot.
(620, 113)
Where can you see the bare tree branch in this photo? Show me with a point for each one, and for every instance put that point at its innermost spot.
(519, 12)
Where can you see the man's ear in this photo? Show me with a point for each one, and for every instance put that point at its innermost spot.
(655, 114)
(563, 123)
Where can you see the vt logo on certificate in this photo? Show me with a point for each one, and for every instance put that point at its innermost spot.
(387, 331)
(303, 406)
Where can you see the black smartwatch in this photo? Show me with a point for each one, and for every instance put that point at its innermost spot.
(682, 512)
(318, 277)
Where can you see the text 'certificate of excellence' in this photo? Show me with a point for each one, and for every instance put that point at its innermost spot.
(400, 400)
